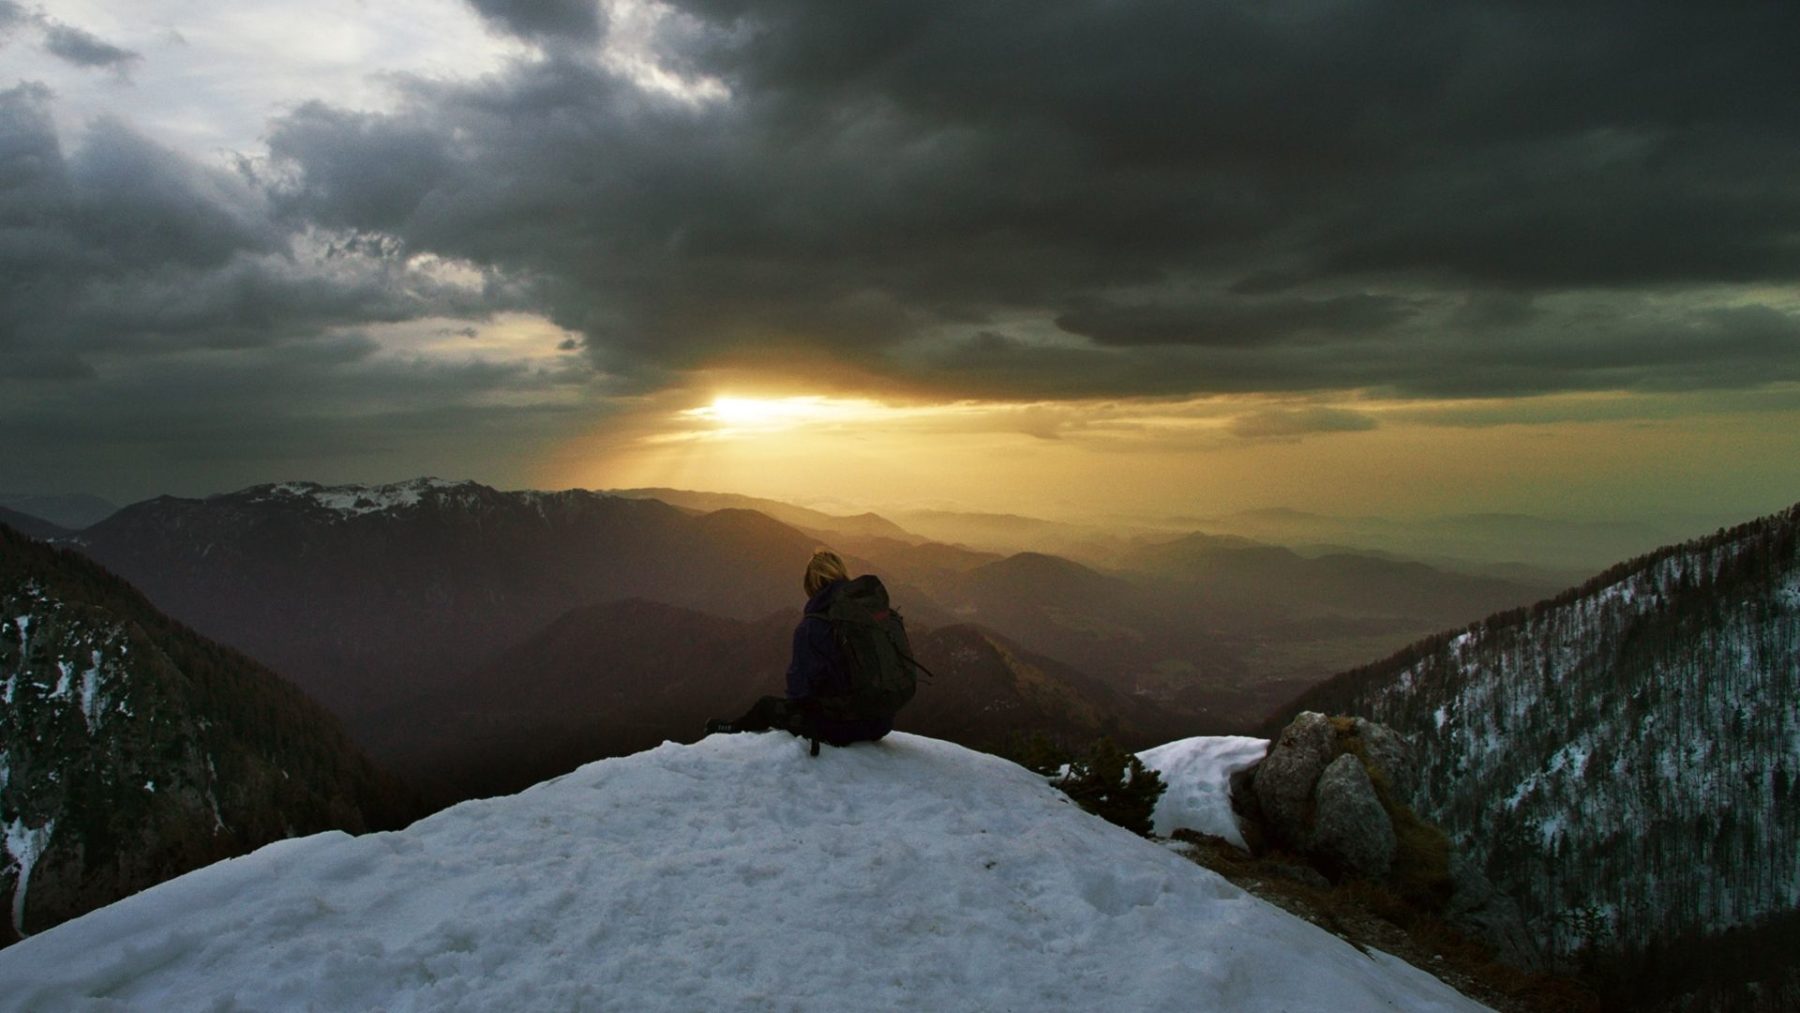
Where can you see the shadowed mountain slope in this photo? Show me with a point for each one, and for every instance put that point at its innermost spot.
(132, 749)
(1623, 757)
(368, 596)
(73, 511)
(30, 526)
(1230, 570)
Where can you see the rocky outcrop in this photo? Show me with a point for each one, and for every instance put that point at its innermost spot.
(1350, 829)
(1489, 915)
(1336, 790)
(1316, 792)
(1284, 781)
(1386, 753)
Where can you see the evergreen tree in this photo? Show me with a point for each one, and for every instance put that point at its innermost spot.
(1114, 785)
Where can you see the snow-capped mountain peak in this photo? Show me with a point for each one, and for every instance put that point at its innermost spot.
(355, 500)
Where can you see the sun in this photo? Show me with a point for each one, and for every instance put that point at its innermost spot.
(767, 414)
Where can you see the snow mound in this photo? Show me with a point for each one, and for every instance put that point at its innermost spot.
(736, 873)
(1198, 774)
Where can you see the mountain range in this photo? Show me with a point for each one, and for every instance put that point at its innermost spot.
(32, 526)
(1472, 541)
(814, 522)
(368, 596)
(382, 600)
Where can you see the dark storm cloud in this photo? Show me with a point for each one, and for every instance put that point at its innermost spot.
(123, 246)
(1236, 323)
(1601, 211)
(364, 172)
(274, 413)
(1510, 350)
(85, 49)
(64, 41)
(1460, 197)
(162, 326)
(1053, 198)
(572, 19)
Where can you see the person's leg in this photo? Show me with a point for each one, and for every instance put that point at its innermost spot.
(768, 713)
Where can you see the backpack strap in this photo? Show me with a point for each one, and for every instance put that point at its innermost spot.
(909, 659)
(914, 662)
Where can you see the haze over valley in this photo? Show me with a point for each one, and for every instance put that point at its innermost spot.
(381, 601)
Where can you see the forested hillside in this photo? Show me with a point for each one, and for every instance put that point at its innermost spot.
(1622, 757)
(133, 750)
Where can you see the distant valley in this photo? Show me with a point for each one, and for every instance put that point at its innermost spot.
(624, 676)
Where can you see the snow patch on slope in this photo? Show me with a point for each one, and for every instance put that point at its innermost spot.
(92, 703)
(736, 873)
(1789, 593)
(23, 845)
(1198, 774)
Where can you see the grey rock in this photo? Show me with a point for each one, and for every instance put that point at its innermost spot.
(1351, 831)
(1481, 911)
(1247, 809)
(1284, 780)
(1388, 752)
(1243, 791)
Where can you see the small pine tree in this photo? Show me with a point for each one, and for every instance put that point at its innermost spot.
(1037, 752)
(1114, 785)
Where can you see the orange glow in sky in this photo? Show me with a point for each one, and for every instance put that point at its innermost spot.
(735, 414)
(1567, 456)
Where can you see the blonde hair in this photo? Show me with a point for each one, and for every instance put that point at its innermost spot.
(825, 567)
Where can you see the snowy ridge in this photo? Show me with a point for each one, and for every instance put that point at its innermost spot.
(355, 500)
(736, 873)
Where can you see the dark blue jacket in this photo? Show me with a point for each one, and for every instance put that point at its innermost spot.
(818, 669)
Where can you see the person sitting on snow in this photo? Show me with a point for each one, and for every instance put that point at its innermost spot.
(852, 665)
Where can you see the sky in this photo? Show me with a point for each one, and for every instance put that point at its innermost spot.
(1064, 258)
